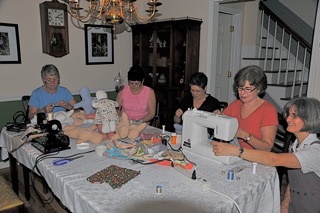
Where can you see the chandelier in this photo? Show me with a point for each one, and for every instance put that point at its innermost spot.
(111, 11)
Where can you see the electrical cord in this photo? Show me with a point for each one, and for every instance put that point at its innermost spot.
(194, 177)
(194, 173)
(35, 167)
(229, 198)
(148, 163)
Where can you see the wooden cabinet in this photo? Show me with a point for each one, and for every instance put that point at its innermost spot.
(168, 51)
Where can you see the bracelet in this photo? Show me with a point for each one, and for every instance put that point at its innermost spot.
(240, 151)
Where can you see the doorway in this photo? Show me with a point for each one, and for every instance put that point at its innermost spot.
(223, 73)
(226, 53)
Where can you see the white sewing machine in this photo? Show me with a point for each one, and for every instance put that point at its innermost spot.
(195, 134)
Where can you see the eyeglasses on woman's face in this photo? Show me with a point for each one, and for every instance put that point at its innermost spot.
(246, 89)
(51, 79)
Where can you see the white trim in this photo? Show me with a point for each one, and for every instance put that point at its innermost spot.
(18, 97)
(314, 66)
(212, 44)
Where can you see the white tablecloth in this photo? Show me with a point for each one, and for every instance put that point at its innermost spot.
(253, 192)
(5, 138)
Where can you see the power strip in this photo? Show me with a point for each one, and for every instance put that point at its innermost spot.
(200, 183)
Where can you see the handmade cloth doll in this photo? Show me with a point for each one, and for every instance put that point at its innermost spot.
(125, 130)
(86, 102)
(106, 115)
(79, 118)
(84, 134)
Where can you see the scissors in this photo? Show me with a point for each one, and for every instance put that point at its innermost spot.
(63, 161)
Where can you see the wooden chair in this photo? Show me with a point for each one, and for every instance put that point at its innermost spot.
(9, 201)
(282, 143)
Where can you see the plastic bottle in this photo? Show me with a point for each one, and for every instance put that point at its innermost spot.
(173, 138)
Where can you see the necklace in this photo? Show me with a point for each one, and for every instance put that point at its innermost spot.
(50, 91)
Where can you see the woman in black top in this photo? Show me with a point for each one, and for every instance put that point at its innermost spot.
(198, 98)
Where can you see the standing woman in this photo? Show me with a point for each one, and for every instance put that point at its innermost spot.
(303, 191)
(258, 119)
(136, 100)
(50, 97)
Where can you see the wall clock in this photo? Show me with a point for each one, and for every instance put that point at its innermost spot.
(54, 28)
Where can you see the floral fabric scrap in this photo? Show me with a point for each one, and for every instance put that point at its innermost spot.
(114, 175)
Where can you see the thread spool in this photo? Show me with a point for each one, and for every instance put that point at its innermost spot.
(173, 138)
(254, 168)
(158, 189)
(50, 116)
(230, 175)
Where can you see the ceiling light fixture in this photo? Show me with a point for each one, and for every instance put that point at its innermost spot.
(111, 12)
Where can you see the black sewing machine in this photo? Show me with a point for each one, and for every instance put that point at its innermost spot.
(54, 139)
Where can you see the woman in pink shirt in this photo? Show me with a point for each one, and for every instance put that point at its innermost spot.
(136, 100)
(258, 119)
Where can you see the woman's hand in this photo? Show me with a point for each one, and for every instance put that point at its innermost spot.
(241, 134)
(48, 108)
(217, 111)
(179, 113)
(65, 105)
(224, 149)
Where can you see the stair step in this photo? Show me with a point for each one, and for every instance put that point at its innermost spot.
(282, 71)
(276, 59)
(276, 48)
(289, 84)
(296, 96)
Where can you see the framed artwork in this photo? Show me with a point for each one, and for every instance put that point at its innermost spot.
(99, 44)
(9, 44)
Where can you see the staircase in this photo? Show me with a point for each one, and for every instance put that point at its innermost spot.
(285, 57)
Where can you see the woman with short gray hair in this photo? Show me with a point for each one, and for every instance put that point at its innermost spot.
(50, 97)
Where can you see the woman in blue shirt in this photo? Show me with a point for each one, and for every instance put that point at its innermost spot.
(50, 97)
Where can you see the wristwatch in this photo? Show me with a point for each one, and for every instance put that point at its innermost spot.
(240, 151)
(248, 138)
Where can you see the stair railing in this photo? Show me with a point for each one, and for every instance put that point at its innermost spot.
(294, 56)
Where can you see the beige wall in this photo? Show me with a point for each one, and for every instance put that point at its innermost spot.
(20, 79)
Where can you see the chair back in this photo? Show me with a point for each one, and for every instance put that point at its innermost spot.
(25, 100)
(283, 137)
(282, 143)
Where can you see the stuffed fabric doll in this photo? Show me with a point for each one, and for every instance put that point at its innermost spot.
(125, 130)
(86, 102)
(106, 113)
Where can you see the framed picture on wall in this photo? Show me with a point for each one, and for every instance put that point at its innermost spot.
(99, 44)
(9, 44)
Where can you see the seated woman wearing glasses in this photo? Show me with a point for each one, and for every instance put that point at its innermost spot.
(136, 100)
(257, 118)
(198, 99)
(50, 97)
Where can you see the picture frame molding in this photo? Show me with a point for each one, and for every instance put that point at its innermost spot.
(9, 39)
(94, 52)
